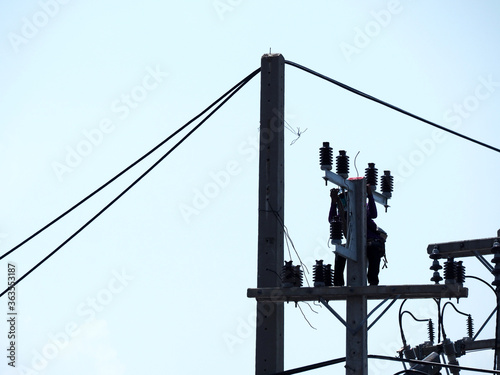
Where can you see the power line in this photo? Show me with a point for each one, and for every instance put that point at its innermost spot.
(379, 101)
(385, 358)
(242, 82)
(229, 95)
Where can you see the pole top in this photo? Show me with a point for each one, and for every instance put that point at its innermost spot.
(269, 55)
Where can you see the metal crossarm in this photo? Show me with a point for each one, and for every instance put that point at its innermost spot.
(371, 292)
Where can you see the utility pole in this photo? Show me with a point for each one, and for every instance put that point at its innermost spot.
(269, 358)
(356, 306)
(270, 293)
(476, 248)
(356, 293)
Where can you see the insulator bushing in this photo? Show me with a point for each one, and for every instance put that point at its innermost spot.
(291, 275)
(496, 260)
(386, 184)
(371, 175)
(336, 230)
(436, 277)
(326, 157)
(435, 253)
(298, 276)
(319, 273)
(343, 164)
(435, 265)
(470, 326)
(460, 272)
(430, 330)
(450, 271)
(495, 249)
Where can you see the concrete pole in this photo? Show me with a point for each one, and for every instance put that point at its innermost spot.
(270, 315)
(497, 331)
(357, 341)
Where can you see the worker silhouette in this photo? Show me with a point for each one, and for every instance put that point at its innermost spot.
(375, 236)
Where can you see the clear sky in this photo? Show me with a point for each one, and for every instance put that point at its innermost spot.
(157, 284)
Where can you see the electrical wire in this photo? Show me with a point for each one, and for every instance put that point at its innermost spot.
(297, 132)
(376, 100)
(288, 240)
(355, 166)
(442, 316)
(483, 281)
(411, 371)
(413, 316)
(400, 319)
(229, 95)
(418, 361)
(297, 304)
(487, 319)
(314, 311)
(243, 81)
(385, 358)
(438, 303)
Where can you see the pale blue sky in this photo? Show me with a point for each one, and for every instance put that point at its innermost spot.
(158, 283)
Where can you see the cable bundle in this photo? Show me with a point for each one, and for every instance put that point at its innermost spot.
(217, 104)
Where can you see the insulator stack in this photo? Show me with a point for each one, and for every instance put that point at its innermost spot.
(291, 275)
(343, 164)
(371, 175)
(336, 230)
(328, 275)
(319, 273)
(470, 326)
(386, 184)
(322, 274)
(326, 157)
(298, 275)
(496, 260)
(450, 271)
(430, 330)
(460, 272)
(436, 277)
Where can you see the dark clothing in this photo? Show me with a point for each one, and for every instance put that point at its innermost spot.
(375, 248)
(371, 213)
(338, 270)
(333, 212)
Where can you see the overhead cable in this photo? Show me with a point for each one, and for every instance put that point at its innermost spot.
(385, 358)
(228, 95)
(243, 81)
(379, 101)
